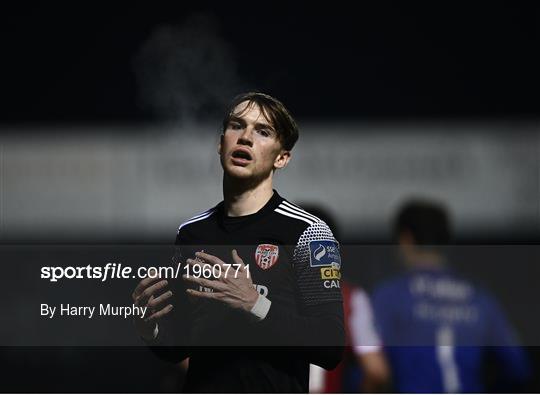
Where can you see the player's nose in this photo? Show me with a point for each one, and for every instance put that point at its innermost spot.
(246, 138)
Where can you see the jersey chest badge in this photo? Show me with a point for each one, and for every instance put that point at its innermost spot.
(266, 255)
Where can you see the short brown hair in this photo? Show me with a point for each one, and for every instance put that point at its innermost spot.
(274, 111)
(427, 221)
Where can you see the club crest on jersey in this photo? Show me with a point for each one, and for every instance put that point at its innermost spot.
(266, 255)
(324, 253)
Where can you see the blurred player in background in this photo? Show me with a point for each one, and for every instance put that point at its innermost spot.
(438, 328)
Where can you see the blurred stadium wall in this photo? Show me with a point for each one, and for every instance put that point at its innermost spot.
(140, 182)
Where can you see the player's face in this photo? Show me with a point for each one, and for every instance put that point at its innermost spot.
(250, 147)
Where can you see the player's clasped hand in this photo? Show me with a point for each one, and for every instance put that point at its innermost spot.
(235, 289)
(150, 292)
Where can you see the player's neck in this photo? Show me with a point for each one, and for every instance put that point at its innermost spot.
(241, 198)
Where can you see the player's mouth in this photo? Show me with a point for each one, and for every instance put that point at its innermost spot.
(241, 157)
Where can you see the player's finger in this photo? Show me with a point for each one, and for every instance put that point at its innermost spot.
(237, 259)
(193, 263)
(158, 314)
(210, 258)
(145, 295)
(143, 284)
(205, 282)
(204, 295)
(155, 302)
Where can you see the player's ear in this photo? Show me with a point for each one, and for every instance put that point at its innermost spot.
(282, 159)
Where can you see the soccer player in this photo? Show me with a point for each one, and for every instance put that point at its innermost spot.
(438, 327)
(283, 289)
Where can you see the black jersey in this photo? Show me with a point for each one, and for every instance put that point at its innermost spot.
(294, 261)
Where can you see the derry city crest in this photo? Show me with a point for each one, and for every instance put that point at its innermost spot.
(266, 255)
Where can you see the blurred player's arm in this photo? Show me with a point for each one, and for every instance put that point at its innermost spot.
(376, 375)
(367, 345)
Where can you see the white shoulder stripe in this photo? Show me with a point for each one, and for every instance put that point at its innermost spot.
(201, 214)
(277, 210)
(296, 212)
(197, 218)
(298, 209)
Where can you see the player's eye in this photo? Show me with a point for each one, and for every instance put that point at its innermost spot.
(235, 126)
(264, 132)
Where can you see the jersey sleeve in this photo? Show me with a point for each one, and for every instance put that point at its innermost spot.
(317, 329)
(317, 265)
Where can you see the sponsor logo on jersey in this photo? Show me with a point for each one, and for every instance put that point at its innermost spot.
(266, 255)
(330, 273)
(324, 253)
(331, 284)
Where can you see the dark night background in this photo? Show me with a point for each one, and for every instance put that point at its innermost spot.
(74, 63)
